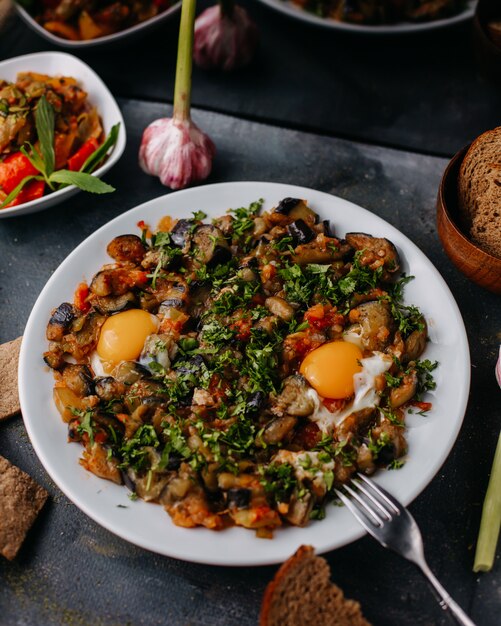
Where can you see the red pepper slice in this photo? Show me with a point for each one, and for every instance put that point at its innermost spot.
(78, 159)
(13, 169)
(31, 191)
(422, 406)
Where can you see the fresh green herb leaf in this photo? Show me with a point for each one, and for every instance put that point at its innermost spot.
(95, 159)
(86, 182)
(16, 191)
(44, 120)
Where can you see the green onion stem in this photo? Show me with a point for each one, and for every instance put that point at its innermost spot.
(491, 518)
(182, 90)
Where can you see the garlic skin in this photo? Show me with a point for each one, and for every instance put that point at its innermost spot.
(224, 40)
(176, 151)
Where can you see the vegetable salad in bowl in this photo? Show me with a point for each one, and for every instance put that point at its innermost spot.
(237, 372)
(51, 136)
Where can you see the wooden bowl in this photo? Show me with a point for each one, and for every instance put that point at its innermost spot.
(479, 266)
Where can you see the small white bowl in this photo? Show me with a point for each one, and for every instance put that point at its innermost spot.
(107, 39)
(59, 64)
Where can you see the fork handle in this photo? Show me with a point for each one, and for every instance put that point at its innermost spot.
(446, 602)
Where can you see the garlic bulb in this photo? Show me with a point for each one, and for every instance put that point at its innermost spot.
(175, 149)
(225, 37)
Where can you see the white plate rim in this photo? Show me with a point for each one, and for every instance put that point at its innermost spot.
(92, 43)
(201, 545)
(55, 197)
(291, 10)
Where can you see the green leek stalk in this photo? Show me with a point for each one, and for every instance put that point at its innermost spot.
(491, 518)
(182, 89)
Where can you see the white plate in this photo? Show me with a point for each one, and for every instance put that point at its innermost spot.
(107, 39)
(293, 10)
(61, 63)
(147, 525)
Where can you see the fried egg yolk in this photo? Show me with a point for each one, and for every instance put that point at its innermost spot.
(123, 335)
(330, 369)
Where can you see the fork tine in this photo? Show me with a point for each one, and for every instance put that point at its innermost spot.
(382, 493)
(374, 500)
(361, 516)
(364, 505)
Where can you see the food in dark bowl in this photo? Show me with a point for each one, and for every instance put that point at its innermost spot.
(382, 11)
(236, 372)
(78, 20)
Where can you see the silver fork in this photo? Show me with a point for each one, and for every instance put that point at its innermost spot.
(393, 526)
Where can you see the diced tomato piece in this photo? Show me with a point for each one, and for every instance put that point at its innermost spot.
(76, 161)
(243, 328)
(100, 437)
(422, 406)
(13, 169)
(31, 191)
(80, 298)
(333, 405)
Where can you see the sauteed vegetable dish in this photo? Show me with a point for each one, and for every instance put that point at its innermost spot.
(382, 11)
(236, 372)
(90, 19)
(46, 124)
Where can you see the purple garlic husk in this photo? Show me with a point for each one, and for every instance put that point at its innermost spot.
(224, 40)
(176, 151)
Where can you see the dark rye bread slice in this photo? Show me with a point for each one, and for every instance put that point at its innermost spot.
(302, 594)
(9, 397)
(479, 191)
(21, 499)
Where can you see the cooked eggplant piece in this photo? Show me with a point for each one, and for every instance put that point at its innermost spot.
(95, 459)
(101, 284)
(415, 343)
(376, 322)
(126, 248)
(300, 232)
(60, 321)
(210, 247)
(294, 398)
(286, 205)
(279, 307)
(255, 402)
(238, 498)
(314, 252)
(377, 249)
(158, 349)
(129, 372)
(180, 235)
(113, 304)
(327, 228)
(300, 509)
(108, 388)
(297, 209)
(54, 358)
(73, 430)
(116, 282)
(278, 429)
(176, 298)
(192, 366)
(406, 391)
(78, 379)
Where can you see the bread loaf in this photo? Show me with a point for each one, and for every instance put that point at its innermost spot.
(479, 191)
(301, 594)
